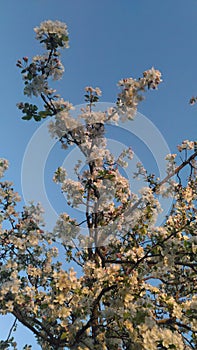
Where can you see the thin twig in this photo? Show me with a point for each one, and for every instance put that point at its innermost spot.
(11, 329)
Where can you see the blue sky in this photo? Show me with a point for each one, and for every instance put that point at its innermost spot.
(109, 40)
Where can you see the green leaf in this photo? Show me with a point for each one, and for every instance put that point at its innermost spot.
(43, 114)
(27, 117)
(37, 118)
(65, 37)
(29, 76)
(64, 336)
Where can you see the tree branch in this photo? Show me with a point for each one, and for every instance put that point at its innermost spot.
(90, 321)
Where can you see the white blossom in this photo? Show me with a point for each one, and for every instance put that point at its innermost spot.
(3, 166)
(52, 27)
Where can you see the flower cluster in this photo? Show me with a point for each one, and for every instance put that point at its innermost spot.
(93, 91)
(130, 95)
(171, 162)
(65, 127)
(74, 191)
(52, 34)
(164, 337)
(66, 228)
(127, 153)
(186, 145)
(3, 166)
(152, 78)
(52, 67)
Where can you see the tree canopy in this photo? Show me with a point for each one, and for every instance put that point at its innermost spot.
(136, 282)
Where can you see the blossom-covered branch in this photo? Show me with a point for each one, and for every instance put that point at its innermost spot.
(135, 286)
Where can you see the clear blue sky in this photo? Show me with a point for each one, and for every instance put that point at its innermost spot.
(109, 40)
